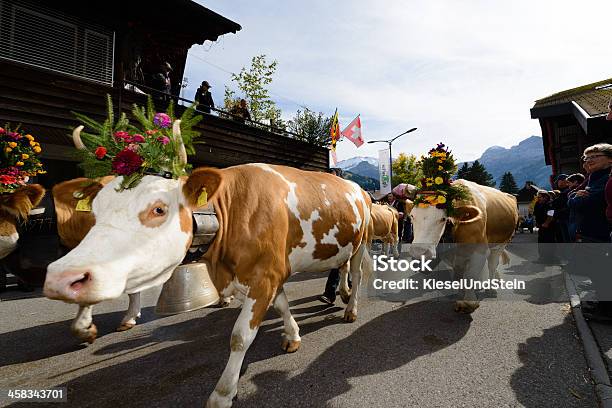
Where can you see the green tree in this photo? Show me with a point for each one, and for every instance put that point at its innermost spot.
(311, 127)
(508, 184)
(253, 84)
(406, 169)
(464, 171)
(479, 174)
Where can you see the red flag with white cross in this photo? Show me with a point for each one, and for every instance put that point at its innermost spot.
(353, 132)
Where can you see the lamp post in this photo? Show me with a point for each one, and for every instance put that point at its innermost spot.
(390, 142)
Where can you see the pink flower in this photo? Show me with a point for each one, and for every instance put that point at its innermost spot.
(126, 162)
(2, 131)
(162, 120)
(133, 147)
(163, 140)
(138, 138)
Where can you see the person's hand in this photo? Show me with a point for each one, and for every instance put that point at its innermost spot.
(582, 193)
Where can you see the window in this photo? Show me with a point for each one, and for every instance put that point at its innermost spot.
(45, 38)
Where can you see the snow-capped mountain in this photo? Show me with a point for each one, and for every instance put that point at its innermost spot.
(354, 161)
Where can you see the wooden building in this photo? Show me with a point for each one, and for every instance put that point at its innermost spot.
(571, 121)
(66, 56)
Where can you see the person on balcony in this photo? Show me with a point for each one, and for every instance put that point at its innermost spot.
(204, 98)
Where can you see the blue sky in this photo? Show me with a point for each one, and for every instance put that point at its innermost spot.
(464, 73)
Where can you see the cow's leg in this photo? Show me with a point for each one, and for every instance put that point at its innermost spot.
(133, 312)
(82, 326)
(245, 330)
(395, 245)
(493, 261)
(291, 332)
(477, 256)
(345, 290)
(350, 313)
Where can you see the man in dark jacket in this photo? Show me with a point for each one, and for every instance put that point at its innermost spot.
(204, 98)
(543, 214)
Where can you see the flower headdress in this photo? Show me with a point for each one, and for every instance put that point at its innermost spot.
(19, 158)
(158, 146)
(436, 186)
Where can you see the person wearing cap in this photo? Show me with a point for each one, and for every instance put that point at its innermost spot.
(161, 82)
(543, 214)
(204, 98)
(559, 205)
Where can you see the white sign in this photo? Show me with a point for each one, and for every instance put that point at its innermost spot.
(383, 171)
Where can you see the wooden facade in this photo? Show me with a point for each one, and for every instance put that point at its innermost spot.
(42, 99)
(571, 121)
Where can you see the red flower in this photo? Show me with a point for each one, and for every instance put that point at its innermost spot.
(6, 179)
(126, 162)
(138, 138)
(2, 131)
(100, 152)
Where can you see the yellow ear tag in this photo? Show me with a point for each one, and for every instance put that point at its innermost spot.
(202, 198)
(83, 205)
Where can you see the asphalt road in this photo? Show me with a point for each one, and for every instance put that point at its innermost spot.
(422, 354)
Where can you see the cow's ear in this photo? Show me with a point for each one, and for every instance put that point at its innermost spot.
(409, 206)
(22, 200)
(467, 214)
(202, 186)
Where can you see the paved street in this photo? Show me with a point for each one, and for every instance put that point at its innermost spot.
(422, 354)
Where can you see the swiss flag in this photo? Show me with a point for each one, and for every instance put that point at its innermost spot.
(353, 132)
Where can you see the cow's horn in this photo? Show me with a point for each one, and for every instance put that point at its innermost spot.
(176, 134)
(76, 138)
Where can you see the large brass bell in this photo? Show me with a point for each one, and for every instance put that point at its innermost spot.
(189, 288)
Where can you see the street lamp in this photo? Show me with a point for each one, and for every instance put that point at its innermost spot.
(390, 141)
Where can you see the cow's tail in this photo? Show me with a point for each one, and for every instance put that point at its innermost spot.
(505, 257)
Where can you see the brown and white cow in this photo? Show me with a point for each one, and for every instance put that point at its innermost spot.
(72, 226)
(384, 227)
(14, 208)
(274, 221)
(484, 224)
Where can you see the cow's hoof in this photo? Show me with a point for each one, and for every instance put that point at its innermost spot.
(345, 296)
(87, 335)
(125, 326)
(466, 306)
(350, 316)
(216, 400)
(290, 346)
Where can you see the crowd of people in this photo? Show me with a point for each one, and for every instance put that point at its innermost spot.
(579, 212)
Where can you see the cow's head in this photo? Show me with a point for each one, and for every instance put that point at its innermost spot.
(429, 223)
(15, 207)
(140, 235)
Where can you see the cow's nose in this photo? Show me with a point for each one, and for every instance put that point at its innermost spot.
(417, 250)
(68, 285)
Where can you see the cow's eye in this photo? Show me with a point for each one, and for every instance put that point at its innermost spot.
(159, 211)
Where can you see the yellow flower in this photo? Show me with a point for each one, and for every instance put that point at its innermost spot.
(439, 180)
(32, 143)
(39, 164)
(12, 144)
(439, 161)
(440, 168)
(8, 150)
(423, 205)
(29, 137)
(25, 156)
(428, 184)
(37, 149)
(19, 163)
(42, 172)
(441, 199)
